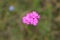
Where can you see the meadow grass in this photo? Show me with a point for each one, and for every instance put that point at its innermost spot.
(11, 26)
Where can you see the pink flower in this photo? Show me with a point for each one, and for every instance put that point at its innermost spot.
(31, 18)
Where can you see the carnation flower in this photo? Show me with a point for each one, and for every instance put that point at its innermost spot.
(31, 18)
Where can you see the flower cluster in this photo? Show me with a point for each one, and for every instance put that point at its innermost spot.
(31, 18)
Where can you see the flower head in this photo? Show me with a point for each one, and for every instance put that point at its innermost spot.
(31, 18)
(11, 8)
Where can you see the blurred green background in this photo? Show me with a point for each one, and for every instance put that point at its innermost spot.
(12, 28)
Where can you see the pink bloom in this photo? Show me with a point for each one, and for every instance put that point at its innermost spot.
(31, 18)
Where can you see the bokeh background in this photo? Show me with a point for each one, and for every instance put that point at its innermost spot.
(12, 28)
